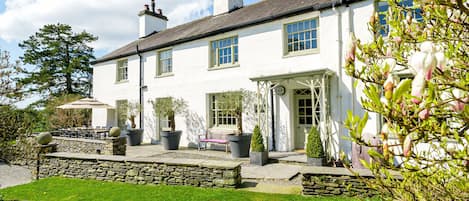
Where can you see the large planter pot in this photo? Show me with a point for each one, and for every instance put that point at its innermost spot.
(134, 137)
(170, 140)
(258, 158)
(315, 161)
(240, 145)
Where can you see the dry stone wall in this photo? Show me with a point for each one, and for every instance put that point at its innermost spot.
(335, 181)
(188, 172)
(108, 146)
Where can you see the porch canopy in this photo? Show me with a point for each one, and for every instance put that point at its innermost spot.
(86, 103)
(318, 81)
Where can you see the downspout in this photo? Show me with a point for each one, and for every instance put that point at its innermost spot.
(352, 80)
(272, 117)
(340, 63)
(140, 86)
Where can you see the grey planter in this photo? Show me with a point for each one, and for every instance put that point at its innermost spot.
(170, 140)
(240, 145)
(258, 158)
(134, 137)
(315, 161)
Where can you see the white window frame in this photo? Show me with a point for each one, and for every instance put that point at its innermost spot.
(215, 115)
(214, 55)
(310, 30)
(122, 70)
(121, 105)
(159, 62)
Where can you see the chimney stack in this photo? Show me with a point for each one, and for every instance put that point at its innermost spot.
(151, 21)
(225, 6)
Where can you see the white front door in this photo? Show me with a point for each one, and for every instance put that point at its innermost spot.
(303, 116)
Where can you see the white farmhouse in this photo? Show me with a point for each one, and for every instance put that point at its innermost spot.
(289, 52)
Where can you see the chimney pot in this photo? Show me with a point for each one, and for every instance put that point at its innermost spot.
(159, 11)
(146, 7)
(153, 5)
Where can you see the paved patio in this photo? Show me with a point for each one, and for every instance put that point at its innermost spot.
(283, 166)
(281, 175)
(12, 175)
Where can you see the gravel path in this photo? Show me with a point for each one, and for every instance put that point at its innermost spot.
(12, 175)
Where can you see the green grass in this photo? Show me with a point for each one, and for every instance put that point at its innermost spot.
(55, 189)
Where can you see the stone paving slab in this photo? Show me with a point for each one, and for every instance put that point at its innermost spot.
(13, 175)
(275, 171)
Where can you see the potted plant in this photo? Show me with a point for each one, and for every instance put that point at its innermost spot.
(258, 155)
(314, 149)
(134, 135)
(169, 107)
(232, 103)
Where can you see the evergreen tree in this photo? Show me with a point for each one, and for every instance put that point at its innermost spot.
(61, 62)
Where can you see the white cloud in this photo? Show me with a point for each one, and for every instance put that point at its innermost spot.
(114, 22)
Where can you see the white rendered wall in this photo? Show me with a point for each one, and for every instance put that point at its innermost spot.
(260, 54)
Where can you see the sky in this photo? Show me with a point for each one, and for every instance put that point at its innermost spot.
(115, 22)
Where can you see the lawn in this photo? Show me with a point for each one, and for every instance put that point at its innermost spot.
(75, 189)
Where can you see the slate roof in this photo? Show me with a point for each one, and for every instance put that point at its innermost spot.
(261, 12)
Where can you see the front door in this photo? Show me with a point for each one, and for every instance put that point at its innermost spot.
(303, 116)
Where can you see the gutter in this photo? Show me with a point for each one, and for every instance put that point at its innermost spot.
(234, 27)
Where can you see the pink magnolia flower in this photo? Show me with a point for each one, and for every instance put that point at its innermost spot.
(351, 49)
(407, 146)
(418, 86)
(440, 60)
(424, 114)
(458, 104)
(416, 62)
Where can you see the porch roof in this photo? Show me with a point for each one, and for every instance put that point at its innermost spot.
(293, 75)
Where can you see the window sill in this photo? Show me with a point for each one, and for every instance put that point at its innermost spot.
(223, 129)
(121, 82)
(301, 53)
(165, 75)
(223, 67)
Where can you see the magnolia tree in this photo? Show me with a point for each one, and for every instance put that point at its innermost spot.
(425, 117)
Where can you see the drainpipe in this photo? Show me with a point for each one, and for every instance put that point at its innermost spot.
(351, 30)
(140, 86)
(340, 63)
(272, 117)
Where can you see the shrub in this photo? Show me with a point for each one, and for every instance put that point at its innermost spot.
(257, 143)
(314, 147)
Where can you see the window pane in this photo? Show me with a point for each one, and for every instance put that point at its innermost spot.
(314, 44)
(313, 24)
(300, 35)
(302, 120)
(227, 51)
(309, 120)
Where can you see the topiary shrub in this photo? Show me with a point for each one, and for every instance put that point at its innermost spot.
(257, 142)
(314, 147)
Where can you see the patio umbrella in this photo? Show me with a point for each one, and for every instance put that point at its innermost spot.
(86, 103)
